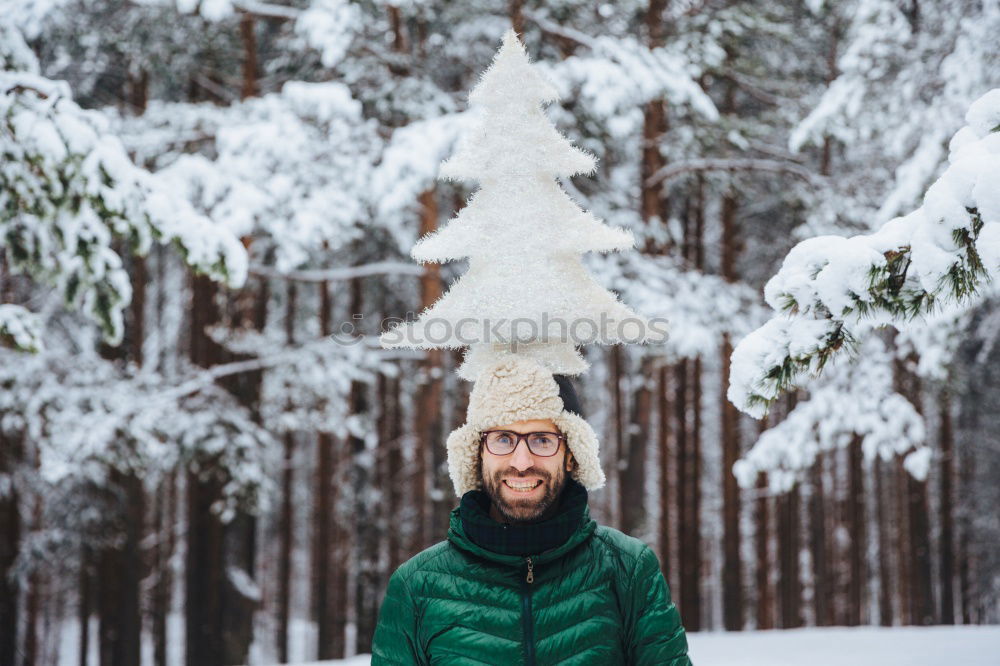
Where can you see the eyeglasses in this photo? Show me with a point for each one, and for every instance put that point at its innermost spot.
(503, 442)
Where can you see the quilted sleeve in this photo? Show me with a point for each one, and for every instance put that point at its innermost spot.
(395, 640)
(654, 632)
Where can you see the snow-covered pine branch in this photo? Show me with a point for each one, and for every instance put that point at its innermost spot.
(621, 73)
(944, 251)
(291, 169)
(69, 192)
(836, 412)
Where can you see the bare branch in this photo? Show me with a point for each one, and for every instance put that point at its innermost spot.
(268, 10)
(348, 273)
(677, 169)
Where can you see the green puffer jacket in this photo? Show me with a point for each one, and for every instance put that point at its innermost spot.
(597, 599)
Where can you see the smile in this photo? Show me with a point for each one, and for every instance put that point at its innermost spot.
(521, 486)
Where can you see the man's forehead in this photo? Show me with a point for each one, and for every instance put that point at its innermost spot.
(529, 426)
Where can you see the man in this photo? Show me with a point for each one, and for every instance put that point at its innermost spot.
(525, 575)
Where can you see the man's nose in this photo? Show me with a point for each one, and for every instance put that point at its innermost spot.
(521, 459)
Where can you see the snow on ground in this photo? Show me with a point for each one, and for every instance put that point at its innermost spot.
(833, 646)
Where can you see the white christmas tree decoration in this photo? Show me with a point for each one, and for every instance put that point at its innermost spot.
(526, 290)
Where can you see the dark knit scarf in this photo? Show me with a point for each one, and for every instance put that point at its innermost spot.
(522, 538)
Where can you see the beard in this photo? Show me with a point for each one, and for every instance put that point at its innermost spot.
(524, 510)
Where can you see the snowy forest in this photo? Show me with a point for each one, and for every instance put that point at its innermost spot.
(208, 210)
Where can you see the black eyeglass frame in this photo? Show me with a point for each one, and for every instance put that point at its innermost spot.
(519, 436)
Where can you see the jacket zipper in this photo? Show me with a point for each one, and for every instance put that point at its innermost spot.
(527, 625)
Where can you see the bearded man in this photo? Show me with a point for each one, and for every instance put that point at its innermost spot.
(525, 576)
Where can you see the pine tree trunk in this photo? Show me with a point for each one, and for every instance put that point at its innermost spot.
(922, 608)
(327, 575)
(856, 520)
(946, 564)
(365, 554)
(323, 517)
(694, 490)
(663, 402)
(732, 568)
(287, 499)
(203, 571)
(119, 572)
(203, 574)
(339, 554)
(765, 594)
(883, 504)
(686, 589)
(121, 569)
(819, 547)
(921, 603)
(85, 576)
(616, 438)
(428, 409)
(10, 543)
(965, 591)
(165, 518)
(732, 571)
(788, 555)
(633, 490)
(248, 36)
(397, 474)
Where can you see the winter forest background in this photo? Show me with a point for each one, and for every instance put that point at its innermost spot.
(208, 209)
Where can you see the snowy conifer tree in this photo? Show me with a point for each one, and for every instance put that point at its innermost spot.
(69, 191)
(832, 289)
(523, 236)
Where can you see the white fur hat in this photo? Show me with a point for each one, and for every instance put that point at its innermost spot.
(518, 389)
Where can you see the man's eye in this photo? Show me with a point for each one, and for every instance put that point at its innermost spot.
(543, 440)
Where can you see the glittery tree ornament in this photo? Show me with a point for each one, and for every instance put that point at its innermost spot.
(526, 290)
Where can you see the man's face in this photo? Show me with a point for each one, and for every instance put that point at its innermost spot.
(522, 486)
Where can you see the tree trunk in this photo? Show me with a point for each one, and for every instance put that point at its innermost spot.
(632, 490)
(914, 502)
(239, 550)
(250, 88)
(922, 602)
(694, 490)
(965, 591)
(165, 518)
(321, 510)
(365, 554)
(822, 590)
(732, 571)
(397, 472)
(946, 564)
(84, 602)
(120, 572)
(856, 523)
(10, 542)
(428, 409)
(339, 554)
(788, 555)
(883, 504)
(203, 571)
(287, 500)
(765, 594)
(687, 588)
(617, 438)
(203, 574)
(904, 563)
(663, 441)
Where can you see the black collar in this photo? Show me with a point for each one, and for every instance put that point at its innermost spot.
(523, 538)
